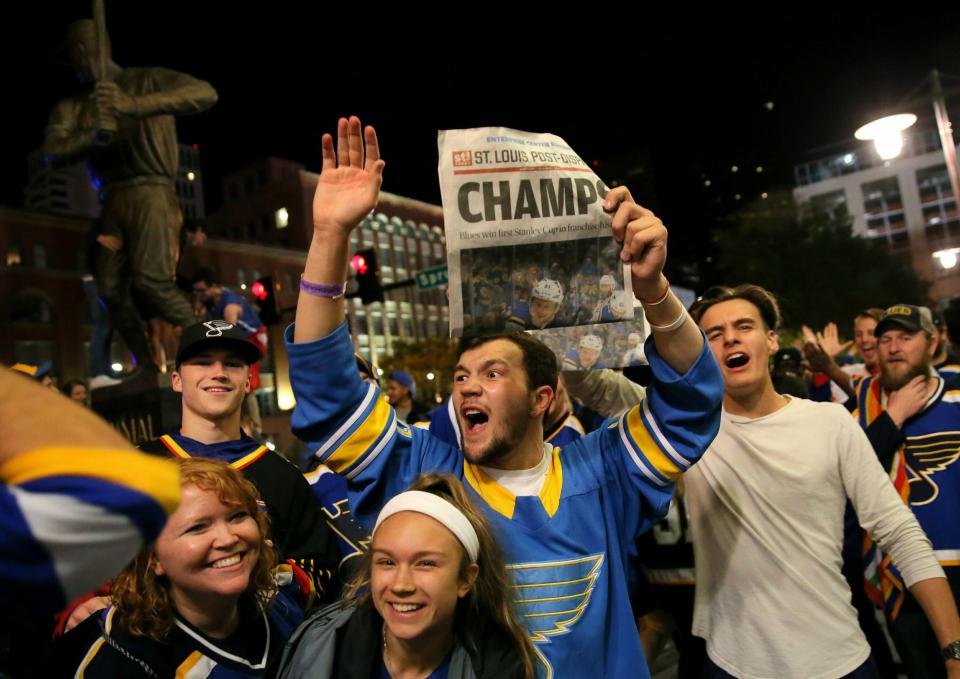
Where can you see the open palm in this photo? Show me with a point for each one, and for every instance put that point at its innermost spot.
(349, 185)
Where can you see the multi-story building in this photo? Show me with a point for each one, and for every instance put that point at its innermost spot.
(65, 187)
(270, 203)
(906, 203)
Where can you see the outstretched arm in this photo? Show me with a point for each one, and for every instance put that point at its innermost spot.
(348, 189)
(678, 339)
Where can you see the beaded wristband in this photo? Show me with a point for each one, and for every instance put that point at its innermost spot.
(660, 299)
(670, 327)
(331, 291)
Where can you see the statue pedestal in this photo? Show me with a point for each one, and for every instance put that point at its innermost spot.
(141, 408)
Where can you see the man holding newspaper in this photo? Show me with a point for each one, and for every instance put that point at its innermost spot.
(567, 525)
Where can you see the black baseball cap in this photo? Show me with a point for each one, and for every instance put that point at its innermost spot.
(908, 316)
(216, 334)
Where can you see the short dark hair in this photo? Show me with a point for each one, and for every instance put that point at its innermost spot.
(207, 274)
(873, 312)
(759, 297)
(539, 361)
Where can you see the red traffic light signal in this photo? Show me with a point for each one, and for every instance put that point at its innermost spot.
(259, 290)
(359, 264)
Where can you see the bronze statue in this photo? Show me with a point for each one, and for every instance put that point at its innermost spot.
(125, 128)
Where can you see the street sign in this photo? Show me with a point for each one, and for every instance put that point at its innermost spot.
(431, 278)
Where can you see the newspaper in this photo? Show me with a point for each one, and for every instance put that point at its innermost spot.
(529, 246)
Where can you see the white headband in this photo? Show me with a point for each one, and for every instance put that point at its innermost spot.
(437, 508)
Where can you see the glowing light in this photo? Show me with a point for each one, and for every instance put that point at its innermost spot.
(759, 169)
(191, 176)
(886, 134)
(116, 367)
(734, 169)
(430, 376)
(848, 159)
(359, 264)
(259, 290)
(764, 195)
(707, 183)
(947, 258)
(243, 286)
(282, 218)
(270, 445)
(736, 196)
(379, 372)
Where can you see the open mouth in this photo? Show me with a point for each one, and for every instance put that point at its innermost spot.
(228, 561)
(474, 419)
(406, 608)
(738, 360)
(216, 390)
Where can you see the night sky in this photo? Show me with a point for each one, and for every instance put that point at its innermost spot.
(683, 96)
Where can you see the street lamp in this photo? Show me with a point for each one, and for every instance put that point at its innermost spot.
(886, 134)
(947, 258)
(888, 140)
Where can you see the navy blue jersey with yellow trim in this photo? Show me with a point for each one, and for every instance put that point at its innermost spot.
(570, 548)
(72, 516)
(109, 650)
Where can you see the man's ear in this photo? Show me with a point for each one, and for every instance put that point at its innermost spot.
(934, 345)
(773, 342)
(541, 400)
(176, 382)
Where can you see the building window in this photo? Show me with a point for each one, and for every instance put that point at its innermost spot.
(884, 211)
(40, 256)
(938, 204)
(830, 207)
(14, 254)
(31, 307)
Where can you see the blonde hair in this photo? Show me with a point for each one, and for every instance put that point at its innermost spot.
(490, 599)
(143, 598)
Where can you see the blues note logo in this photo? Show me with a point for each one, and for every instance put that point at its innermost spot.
(926, 457)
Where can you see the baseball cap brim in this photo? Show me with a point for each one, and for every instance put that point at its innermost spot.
(248, 352)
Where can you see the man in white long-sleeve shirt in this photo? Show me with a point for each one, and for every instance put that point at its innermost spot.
(766, 504)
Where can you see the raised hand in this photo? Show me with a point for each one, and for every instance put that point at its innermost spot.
(909, 399)
(829, 341)
(644, 240)
(349, 185)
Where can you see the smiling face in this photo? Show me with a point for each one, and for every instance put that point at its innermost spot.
(417, 577)
(492, 399)
(207, 548)
(866, 343)
(213, 383)
(742, 345)
(904, 354)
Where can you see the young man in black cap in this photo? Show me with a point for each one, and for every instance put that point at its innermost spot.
(213, 376)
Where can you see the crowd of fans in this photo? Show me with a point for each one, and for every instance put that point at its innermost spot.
(766, 511)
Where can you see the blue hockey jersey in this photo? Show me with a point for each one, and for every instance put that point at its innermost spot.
(570, 548)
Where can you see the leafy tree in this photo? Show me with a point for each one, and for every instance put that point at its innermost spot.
(817, 268)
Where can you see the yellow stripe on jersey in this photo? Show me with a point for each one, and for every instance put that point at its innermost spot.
(174, 447)
(362, 439)
(184, 669)
(97, 645)
(503, 501)
(498, 497)
(250, 458)
(550, 493)
(649, 447)
(158, 478)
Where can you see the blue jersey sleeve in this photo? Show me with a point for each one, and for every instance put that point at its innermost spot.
(71, 517)
(647, 449)
(353, 429)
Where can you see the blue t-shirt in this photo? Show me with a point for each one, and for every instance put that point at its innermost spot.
(249, 321)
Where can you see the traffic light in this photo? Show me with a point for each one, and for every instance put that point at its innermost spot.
(364, 264)
(265, 292)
